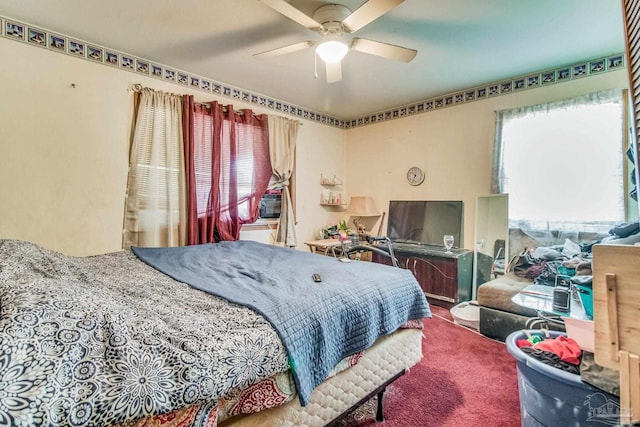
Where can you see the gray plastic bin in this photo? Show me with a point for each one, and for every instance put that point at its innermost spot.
(551, 397)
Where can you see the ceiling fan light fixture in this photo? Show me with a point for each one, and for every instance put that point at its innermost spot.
(332, 51)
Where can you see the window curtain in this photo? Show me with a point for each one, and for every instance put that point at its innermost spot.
(155, 205)
(282, 147)
(561, 164)
(227, 169)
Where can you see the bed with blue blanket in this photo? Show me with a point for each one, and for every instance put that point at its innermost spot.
(193, 335)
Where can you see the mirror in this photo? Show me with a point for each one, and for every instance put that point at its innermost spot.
(491, 238)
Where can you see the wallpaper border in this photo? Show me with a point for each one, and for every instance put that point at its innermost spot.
(53, 41)
(531, 80)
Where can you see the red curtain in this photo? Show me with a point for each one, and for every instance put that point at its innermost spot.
(227, 168)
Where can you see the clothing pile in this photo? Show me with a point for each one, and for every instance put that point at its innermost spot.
(560, 352)
(546, 265)
(570, 261)
(565, 354)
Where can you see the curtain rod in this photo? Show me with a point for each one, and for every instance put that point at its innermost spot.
(137, 87)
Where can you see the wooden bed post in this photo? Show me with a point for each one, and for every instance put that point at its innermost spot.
(616, 299)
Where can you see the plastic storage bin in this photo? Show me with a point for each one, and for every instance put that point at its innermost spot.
(551, 397)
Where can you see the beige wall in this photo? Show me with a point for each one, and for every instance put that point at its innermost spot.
(452, 145)
(64, 152)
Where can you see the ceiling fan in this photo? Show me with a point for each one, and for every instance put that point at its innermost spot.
(333, 21)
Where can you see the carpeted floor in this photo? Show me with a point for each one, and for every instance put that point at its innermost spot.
(464, 380)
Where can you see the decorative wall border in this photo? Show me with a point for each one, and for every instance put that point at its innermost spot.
(33, 35)
(57, 42)
(503, 87)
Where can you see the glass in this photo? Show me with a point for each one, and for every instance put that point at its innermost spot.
(448, 243)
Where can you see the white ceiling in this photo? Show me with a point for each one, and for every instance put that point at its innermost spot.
(460, 43)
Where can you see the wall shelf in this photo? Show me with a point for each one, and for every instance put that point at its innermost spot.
(330, 181)
(331, 196)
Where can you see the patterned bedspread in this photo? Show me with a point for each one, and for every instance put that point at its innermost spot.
(107, 339)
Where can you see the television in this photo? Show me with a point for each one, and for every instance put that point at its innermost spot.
(424, 222)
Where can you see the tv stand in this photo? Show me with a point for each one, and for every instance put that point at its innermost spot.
(445, 278)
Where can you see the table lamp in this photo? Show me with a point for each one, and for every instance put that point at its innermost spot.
(361, 206)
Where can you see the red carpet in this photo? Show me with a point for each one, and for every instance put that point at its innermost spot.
(464, 380)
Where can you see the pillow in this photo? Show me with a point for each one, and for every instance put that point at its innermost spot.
(630, 240)
(625, 229)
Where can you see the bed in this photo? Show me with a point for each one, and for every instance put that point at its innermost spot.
(115, 340)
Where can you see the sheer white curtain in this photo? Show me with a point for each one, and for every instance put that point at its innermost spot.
(282, 147)
(155, 206)
(562, 165)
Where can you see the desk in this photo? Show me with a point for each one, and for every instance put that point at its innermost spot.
(540, 298)
(323, 246)
(332, 247)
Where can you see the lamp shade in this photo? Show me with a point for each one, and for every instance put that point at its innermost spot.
(332, 51)
(362, 206)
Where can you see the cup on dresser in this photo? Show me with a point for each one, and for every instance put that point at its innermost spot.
(448, 240)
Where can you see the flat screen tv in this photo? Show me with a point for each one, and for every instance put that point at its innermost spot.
(424, 221)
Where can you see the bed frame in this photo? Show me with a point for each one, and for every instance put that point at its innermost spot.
(379, 392)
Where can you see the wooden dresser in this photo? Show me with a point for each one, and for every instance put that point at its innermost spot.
(446, 279)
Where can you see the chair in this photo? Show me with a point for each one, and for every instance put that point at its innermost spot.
(498, 265)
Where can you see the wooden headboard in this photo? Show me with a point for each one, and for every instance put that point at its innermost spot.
(616, 316)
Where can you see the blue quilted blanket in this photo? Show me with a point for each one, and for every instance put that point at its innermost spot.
(319, 323)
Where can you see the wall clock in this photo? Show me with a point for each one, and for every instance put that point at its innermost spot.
(415, 176)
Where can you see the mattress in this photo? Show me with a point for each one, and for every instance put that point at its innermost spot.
(387, 357)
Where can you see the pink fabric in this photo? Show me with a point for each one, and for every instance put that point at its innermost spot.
(228, 169)
(187, 132)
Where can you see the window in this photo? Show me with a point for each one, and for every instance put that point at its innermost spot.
(198, 182)
(155, 212)
(562, 164)
(230, 170)
(245, 171)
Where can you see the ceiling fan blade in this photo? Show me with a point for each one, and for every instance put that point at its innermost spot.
(334, 72)
(285, 49)
(292, 13)
(385, 50)
(368, 12)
